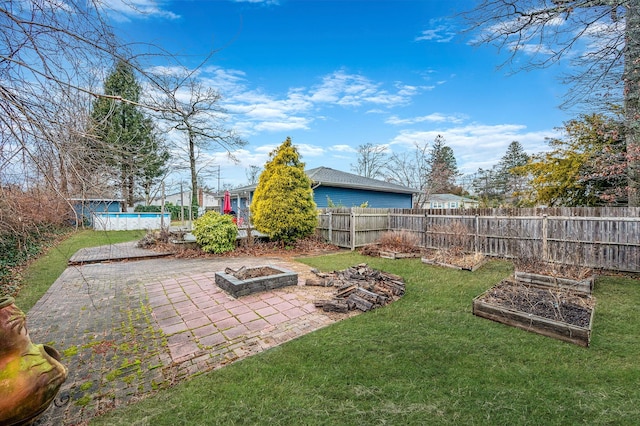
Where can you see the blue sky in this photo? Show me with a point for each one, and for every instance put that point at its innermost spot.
(334, 75)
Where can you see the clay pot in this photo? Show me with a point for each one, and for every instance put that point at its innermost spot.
(30, 375)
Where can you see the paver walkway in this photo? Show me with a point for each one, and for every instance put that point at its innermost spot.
(126, 329)
(113, 252)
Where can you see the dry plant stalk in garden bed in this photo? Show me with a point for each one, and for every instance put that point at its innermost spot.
(554, 275)
(456, 255)
(394, 245)
(563, 315)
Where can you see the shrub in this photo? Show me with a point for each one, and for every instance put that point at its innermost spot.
(29, 220)
(215, 233)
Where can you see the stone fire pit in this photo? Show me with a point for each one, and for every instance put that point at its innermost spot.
(251, 280)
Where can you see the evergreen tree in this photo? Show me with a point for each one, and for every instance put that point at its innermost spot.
(503, 184)
(511, 184)
(443, 169)
(283, 205)
(154, 167)
(124, 136)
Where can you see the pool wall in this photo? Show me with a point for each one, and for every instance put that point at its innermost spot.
(129, 221)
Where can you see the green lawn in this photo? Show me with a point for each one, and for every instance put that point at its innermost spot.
(40, 274)
(424, 359)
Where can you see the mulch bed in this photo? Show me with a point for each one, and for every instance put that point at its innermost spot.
(306, 247)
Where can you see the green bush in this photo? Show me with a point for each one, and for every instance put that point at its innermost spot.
(215, 233)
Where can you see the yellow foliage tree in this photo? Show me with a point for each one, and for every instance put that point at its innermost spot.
(586, 168)
(283, 206)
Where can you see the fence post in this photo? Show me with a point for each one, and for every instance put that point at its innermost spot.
(475, 242)
(545, 246)
(353, 230)
(424, 229)
(330, 226)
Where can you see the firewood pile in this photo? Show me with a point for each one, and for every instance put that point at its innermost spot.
(358, 287)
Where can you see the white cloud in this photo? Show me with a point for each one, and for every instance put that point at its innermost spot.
(252, 110)
(288, 124)
(268, 2)
(435, 117)
(126, 10)
(355, 90)
(440, 32)
(531, 49)
(307, 150)
(478, 145)
(342, 148)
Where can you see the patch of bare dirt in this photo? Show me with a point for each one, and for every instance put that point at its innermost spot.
(563, 306)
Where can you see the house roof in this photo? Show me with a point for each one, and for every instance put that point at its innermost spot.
(325, 176)
(450, 197)
(329, 177)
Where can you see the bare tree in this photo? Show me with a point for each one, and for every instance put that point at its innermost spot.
(550, 30)
(371, 160)
(411, 169)
(43, 48)
(193, 109)
(253, 173)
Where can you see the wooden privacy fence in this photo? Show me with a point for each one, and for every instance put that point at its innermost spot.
(597, 237)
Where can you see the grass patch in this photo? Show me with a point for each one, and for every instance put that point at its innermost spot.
(40, 274)
(424, 359)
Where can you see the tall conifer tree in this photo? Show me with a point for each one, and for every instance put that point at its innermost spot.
(124, 136)
(283, 205)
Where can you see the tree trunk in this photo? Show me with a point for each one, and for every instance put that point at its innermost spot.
(131, 197)
(632, 99)
(63, 183)
(123, 186)
(192, 166)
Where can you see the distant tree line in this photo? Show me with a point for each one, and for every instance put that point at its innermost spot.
(586, 166)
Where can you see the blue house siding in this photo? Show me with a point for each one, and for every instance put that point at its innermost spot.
(348, 197)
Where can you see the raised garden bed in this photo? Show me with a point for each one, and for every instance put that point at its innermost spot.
(246, 281)
(397, 255)
(584, 285)
(390, 252)
(465, 262)
(554, 313)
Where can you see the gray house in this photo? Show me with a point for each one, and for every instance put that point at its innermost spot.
(340, 189)
(449, 201)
